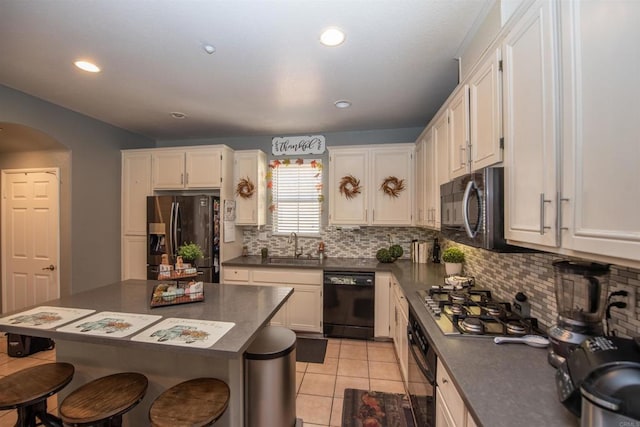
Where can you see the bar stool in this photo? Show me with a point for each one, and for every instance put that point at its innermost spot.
(27, 391)
(103, 401)
(195, 403)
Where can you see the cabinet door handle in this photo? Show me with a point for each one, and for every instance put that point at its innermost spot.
(187, 180)
(542, 220)
(181, 179)
(444, 381)
(462, 151)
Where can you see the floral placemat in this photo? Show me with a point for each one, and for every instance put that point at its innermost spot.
(185, 332)
(111, 323)
(45, 317)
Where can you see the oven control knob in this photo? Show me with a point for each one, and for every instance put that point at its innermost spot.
(437, 311)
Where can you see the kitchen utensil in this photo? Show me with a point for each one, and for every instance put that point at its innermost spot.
(532, 340)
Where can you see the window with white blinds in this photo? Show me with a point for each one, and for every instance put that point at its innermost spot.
(297, 193)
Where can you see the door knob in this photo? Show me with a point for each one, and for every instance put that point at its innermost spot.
(50, 268)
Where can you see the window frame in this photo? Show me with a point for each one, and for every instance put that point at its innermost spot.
(313, 196)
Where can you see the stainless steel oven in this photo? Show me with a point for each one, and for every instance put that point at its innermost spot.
(421, 374)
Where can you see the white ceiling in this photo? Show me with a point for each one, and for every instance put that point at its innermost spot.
(268, 76)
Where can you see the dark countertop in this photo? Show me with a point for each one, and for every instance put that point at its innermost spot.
(344, 264)
(249, 307)
(502, 385)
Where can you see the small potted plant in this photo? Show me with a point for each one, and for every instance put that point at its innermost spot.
(190, 252)
(453, 258)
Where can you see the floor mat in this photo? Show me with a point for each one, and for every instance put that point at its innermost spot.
(362, 408)
(311, 350)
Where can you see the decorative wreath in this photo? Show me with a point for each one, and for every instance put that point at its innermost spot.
(349, 186)
(392, 186)
(245, 188)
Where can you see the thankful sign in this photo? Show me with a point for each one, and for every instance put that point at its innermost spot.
(297, 145)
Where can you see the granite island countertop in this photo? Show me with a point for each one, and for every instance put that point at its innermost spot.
(502, 385)
(249, 307)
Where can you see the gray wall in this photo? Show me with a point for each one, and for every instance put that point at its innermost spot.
(263, 142)
(94, 202)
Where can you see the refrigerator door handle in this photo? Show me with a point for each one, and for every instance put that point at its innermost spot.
(176, 221)
(171, 221)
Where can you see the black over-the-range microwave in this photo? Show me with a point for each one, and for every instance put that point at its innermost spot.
(472, 210)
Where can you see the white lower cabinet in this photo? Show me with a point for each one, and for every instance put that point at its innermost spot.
(450, 408)
(443, 417)
(134, 257)
(382, 327)
(303, 310)
(399, 322)
(235, 276)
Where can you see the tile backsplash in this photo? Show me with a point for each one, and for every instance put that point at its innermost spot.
(361, 242)
(504, 274)
(532, 273)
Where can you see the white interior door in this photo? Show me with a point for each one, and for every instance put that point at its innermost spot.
(30, 241)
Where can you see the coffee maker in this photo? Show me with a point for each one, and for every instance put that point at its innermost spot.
(581, 293)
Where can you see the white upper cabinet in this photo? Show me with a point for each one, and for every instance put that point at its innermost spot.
(168, 169)
(427, 195)
(530, 108)
(459, 132)
(136, 186)
(197, 168)
(348, 172)
(485, 113)
(601, 105)
(370, 170)
(392, 170)
(250, 187)
(441, 145)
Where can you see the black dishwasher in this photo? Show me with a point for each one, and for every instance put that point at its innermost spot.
(348, 304)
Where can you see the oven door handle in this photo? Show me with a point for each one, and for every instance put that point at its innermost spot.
(418, 358)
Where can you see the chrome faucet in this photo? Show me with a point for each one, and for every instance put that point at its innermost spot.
(293, 236)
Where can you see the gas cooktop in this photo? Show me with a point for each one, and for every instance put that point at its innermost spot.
(473, 312)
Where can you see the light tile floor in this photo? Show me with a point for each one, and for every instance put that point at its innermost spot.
(365, 365)
(9, 365)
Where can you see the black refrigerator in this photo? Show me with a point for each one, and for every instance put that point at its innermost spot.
(175, 220)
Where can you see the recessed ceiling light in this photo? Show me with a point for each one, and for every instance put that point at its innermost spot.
(209, 48)
(87, 66)
(343, 103)
(332, 37)
(178, 115)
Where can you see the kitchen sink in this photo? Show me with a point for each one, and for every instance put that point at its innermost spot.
(285, 260)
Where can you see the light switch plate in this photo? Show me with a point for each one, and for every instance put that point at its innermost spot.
(262, 235)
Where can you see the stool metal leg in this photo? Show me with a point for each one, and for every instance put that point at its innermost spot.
(26, 417)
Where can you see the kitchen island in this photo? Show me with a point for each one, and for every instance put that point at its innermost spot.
(249, 308)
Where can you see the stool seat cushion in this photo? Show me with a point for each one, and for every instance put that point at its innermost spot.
(33, 384)
(197, 402)
(104, 398)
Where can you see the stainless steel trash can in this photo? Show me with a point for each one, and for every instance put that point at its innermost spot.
(270, 379)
